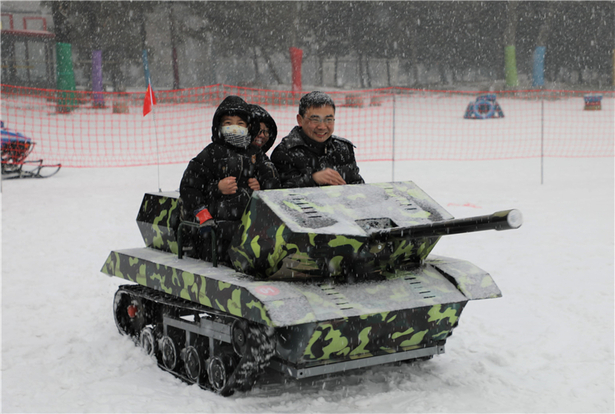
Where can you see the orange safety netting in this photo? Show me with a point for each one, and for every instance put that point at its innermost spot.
(106, 129)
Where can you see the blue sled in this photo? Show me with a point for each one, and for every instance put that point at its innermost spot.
(484, 107)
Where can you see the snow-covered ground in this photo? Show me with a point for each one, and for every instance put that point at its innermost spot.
(545, 346)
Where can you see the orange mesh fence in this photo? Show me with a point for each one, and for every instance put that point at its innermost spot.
(86, 129)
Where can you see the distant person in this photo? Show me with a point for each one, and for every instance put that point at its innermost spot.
(219, 181)
(311, 155)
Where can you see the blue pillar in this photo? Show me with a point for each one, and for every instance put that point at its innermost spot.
(538, 76)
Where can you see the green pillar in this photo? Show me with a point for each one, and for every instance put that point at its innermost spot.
(510, 66)
(65, 78)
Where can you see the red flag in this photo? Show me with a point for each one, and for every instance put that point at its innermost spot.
(150, 100)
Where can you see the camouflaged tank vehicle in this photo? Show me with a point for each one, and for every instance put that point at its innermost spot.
(323, 280)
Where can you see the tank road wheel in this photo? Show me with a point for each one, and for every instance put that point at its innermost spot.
(148, 341)
(192, 363)
(128, 313)
(218, 376)
(239, 337)
(169, 352)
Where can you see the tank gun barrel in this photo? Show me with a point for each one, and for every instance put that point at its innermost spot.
(501, 220)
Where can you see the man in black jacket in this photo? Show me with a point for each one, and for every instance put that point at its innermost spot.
(219, 181)
(311, 155)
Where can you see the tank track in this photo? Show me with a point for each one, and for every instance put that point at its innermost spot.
(219, 352)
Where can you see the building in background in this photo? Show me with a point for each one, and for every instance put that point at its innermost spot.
(28, 45)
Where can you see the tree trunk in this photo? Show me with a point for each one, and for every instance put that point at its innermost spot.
(414, 58)
(368, 76)
(256, 74)
(511, 28)
(275, 74)
(538, 77)
(118, 78)
(174, 59)
(545, 28)
(59, 13)
(361, 78)
(335, 72)
(413, 23)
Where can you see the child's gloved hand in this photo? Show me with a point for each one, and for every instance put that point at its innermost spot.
(203, 215)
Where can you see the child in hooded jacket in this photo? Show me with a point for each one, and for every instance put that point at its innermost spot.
(268, 129)
(219, 181)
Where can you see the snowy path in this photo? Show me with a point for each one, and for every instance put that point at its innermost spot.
(546, 346)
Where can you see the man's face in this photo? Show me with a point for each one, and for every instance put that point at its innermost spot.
(318, 123)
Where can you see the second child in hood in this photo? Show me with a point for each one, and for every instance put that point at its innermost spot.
(268, 129)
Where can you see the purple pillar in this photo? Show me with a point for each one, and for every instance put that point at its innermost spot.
(97, 80)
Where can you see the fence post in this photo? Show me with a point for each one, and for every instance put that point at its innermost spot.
(393, 143)
(542, 135)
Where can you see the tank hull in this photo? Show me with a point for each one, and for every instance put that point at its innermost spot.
(318, 324)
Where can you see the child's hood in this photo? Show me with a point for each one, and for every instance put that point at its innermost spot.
(263, 116)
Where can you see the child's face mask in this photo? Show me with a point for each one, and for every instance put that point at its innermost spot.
(236, 135)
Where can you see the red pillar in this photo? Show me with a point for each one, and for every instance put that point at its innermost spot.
(296, 55)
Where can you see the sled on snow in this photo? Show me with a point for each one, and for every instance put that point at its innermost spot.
(16, 147)
(485, 107)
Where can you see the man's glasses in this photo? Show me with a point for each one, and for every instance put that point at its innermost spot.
(264, 132)
(316, 120)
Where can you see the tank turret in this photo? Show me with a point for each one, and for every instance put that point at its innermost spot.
(347, 231)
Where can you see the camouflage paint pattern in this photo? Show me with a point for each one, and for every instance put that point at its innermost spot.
(326, 231)
(157, 220)
(381, 333)
(317, 321)
(322, 322)
(155, 270)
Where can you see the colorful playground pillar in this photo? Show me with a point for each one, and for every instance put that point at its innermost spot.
(97, 79)
(510, 66)
(296, 55)
(538, 75)
(66, 78)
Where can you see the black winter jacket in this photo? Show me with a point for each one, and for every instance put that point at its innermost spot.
(296, 161)
(199, 185)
